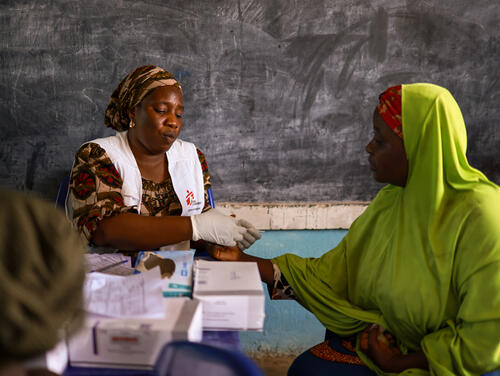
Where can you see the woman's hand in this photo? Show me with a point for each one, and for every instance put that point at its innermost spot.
(223, 253)
(381, 347)
(216, 227)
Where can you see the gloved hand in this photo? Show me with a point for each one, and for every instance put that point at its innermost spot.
(250, 236)
(218, 228)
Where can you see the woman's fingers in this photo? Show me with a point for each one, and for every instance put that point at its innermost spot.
(364, 341)
(390, 338)
(373, 336)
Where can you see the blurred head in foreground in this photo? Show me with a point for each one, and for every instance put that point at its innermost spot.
(41, 278)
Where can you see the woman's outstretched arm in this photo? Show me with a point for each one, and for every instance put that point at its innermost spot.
(129, 231)
(235, 254)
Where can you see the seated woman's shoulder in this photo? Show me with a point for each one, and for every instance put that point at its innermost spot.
(481, 208)
(200, 153)
(90, 151)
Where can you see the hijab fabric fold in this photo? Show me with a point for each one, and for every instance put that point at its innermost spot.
(422, 260)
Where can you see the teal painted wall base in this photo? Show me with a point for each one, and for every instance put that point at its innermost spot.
(289, 328)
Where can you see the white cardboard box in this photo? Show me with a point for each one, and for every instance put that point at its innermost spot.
(134, 343)
(55, 360)
(231, 294)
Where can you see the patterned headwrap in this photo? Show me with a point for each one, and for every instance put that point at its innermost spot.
(131, 91)
(389, 107)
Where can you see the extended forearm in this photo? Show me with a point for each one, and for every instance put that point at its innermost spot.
(265, 267)
(130, 231)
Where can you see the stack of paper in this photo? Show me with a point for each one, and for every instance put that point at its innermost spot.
(231, 294)
(137, 295)
(109, 263)
(129, 321)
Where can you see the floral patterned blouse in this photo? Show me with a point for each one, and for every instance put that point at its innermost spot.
(95, 191)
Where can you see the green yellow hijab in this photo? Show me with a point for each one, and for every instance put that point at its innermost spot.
(424, 260)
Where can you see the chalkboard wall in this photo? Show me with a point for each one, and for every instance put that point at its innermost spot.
(278, 93)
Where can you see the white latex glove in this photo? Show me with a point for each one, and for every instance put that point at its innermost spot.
(218, 228)
(250, 236)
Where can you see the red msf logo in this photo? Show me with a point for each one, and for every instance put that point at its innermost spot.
(189, 197)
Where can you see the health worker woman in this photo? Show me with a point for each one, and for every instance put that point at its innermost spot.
(144, 188)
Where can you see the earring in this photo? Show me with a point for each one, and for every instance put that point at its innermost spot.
(131, 124)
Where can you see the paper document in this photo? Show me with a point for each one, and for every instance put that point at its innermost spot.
(110, 263)
(138, 295)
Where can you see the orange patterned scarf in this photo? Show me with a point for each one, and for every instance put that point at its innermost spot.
(389, 107)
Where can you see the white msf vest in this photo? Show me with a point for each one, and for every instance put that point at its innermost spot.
(183, 165)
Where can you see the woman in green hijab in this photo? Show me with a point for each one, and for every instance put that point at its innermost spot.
(421, 263)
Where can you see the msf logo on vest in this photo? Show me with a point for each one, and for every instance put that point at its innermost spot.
(191, 203)
(189, 198)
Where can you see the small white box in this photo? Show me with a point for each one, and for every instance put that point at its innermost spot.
(134, 343)
(55, 360)
(231, 294)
